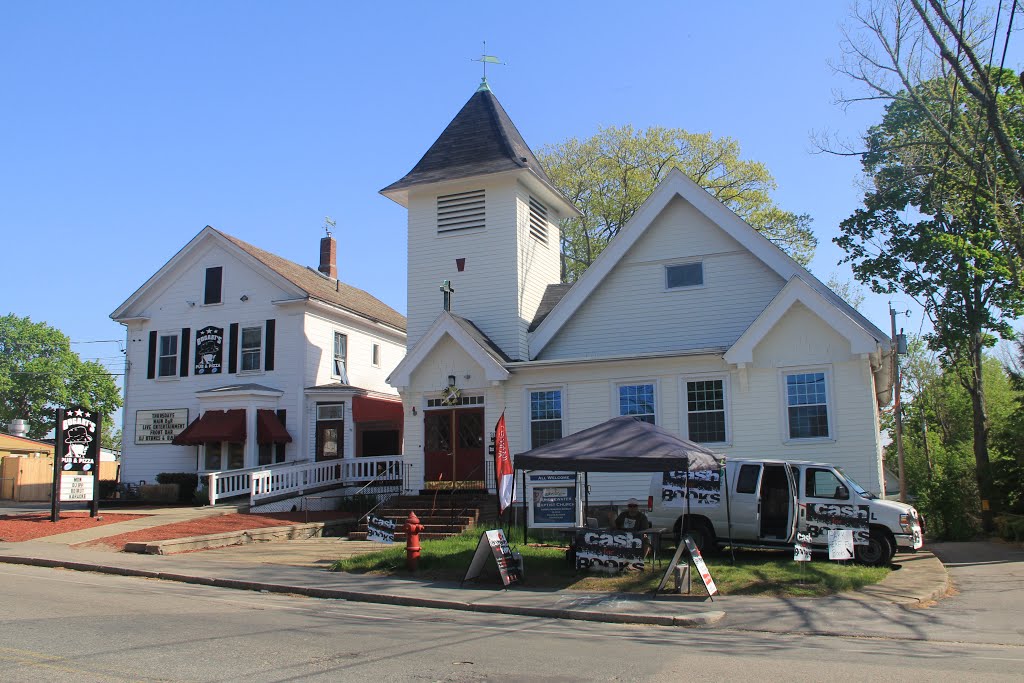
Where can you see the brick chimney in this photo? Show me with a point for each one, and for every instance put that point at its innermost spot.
(329, 257)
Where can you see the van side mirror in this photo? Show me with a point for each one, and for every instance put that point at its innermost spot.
(842, 493)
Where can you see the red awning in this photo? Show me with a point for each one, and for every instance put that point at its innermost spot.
(269, 428)
(214, 425)
(366, 409)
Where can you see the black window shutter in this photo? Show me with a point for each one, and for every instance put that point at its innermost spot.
(214, 278)
(233, 348)
(268, 360)
(279, 455)
(186, 332)
(151, 363)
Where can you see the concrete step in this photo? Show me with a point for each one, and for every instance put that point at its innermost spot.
(427, 520)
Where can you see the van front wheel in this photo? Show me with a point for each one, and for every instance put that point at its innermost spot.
(877, 552)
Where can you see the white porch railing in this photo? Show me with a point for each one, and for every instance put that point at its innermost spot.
(295, 477)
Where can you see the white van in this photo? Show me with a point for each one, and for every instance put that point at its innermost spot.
(770, 500)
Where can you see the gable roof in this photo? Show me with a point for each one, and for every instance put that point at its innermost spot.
(319, 286)
(552, 295)
(676, 183)
(463, 332)
(305, 281)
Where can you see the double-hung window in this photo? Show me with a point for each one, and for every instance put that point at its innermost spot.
(167, 365)
(340, 367)
(252, 348)
(807, 405)
(705, 410)
(638, 400)
(545, 416)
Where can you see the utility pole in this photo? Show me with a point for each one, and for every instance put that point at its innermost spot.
(899, 347)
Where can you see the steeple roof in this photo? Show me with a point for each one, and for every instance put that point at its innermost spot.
(480, 140)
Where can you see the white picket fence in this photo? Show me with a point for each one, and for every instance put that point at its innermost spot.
(269, 481)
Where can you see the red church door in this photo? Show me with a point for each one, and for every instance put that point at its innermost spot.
(453, 446)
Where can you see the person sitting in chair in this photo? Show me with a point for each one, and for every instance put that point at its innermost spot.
(633, 520)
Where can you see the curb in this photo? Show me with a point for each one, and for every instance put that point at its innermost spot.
(703, 619)
(229, 538)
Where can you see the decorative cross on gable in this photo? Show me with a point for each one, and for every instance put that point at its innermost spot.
(448, 290)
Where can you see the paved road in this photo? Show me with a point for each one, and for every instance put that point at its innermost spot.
(95, 627)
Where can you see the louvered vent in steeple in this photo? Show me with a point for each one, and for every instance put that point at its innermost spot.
(460, 211)
(538, 220)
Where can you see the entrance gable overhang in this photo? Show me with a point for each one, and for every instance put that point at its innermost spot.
(797, 290)
(447, 324)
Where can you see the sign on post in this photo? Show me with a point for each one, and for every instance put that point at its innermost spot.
(76, 459)
(380, 530)
(553, 500)
(840, 544)
(802, 548)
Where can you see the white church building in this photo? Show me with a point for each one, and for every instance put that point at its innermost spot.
(690, 319)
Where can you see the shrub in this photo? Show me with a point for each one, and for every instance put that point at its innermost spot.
(108, 487)
(187, 483)
(1010, 527)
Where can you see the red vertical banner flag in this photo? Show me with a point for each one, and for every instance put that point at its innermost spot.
(503, 465)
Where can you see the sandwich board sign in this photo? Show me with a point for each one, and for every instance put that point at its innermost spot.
(690, 546)
(494, 543)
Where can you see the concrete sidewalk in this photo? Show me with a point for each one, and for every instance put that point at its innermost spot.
(300, 567)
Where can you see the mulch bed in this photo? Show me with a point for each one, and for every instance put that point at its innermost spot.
(16, 528)
(214, 525)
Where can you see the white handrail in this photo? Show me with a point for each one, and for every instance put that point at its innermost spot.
(295, 477)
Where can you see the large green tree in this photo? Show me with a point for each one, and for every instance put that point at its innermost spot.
(940, 58)
(929, 229)
(40, 373)
(608, 176)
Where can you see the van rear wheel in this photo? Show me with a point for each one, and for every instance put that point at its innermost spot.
(877, 552)
(701, 533)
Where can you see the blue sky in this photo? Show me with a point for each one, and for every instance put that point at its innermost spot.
(127, 127)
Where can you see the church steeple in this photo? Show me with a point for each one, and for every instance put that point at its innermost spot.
(480, 140)
(483, 219)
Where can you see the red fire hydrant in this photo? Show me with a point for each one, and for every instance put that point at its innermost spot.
(412, 530)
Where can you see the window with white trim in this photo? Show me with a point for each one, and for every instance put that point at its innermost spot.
(705, 410)
(545, 416)
(167, 358)
(807, 405)
(638, 400)
(252, 348)
(339, 368)
(375, 355)
(684, 275)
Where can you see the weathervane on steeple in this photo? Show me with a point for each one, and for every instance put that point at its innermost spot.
(486, 59)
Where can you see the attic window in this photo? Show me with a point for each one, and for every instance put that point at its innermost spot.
(684, 275)
(214, 279)
(460, 211)
(538, 221)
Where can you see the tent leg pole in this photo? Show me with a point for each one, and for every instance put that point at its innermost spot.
(724, 479)
(686, 478)
(586, 494)
(525, 503)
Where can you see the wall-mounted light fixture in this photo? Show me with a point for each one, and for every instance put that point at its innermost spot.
(191, 303)
(244, 297)
(451, 380)
(414, 410)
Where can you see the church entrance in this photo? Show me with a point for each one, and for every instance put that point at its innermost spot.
(454, 448)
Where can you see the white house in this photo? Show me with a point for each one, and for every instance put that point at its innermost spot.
(238, 358)
(690, 318)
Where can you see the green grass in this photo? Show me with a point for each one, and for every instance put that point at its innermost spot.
(765, 573)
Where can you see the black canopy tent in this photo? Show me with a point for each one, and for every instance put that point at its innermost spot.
(622, 444)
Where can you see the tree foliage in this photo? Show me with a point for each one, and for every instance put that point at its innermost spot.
(942, 62)
(929, 229)
(40, 373)
(608, 176)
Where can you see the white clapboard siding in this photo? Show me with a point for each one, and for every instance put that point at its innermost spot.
(632, 312)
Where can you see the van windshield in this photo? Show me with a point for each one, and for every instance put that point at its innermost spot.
(856, 487)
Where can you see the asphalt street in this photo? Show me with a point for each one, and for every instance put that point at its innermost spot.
(96, 627)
